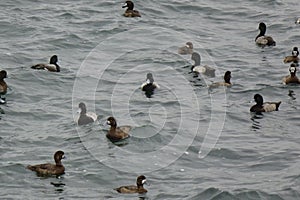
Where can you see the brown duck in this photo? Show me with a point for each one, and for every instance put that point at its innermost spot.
(294, 57)
(292, 78)
(139, 188)
(116, 133)
(49, 169)
(130, 12)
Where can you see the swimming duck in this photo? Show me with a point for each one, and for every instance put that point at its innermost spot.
(139, 188)
(84, 117)
(187, 49)
(49, 169)
(3, 86)
(262, 39)
(227, 83)
(149, 86)
(294, 57)
(130, 12)
(260, 106)
(209, 71)
(115, 133)
(292, 78)
(297, 21)
(52, 66)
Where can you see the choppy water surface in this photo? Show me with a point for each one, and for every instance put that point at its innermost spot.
(105, 57)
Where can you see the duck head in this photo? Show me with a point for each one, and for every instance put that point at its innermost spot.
(258, 99)
(227, 77)
(262, 27)
(58, 156)
(295, 52)
(129, 5)
(293, 69)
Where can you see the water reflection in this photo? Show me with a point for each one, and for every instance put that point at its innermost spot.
(1, 112)
(121, 143)
(59, 186)
(142, 197)
(149, 93)
(292, 95)
(255, 123)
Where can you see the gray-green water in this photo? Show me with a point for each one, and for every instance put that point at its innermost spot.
(105, 57)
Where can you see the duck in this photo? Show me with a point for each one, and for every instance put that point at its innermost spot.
(3, 86)
(52, 66)
(187, 49)
(292, 78)
(262, 106)
(115, 133)
(139, 188)
(85, 117)
(294, 57)
(262, 39)
(130, 12)
(49, 169)
(297, 21)
(226, 83)
(209, 71)
(149, 86)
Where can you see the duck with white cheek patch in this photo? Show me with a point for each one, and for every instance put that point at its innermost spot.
(139, 188)
(115, 133)
(130, 12)
(292, 78)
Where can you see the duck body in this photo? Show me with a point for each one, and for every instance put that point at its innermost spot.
(49, 169)
(187, 49)
(139, 188)
(130, 189)
(130, 12)
(52, 66)
(265, 41)
(84, 116)
(264, 106)
(289, 59)
(262, 39)
(220, 84)
(207, 70)
(291, 80)
(115, 133)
